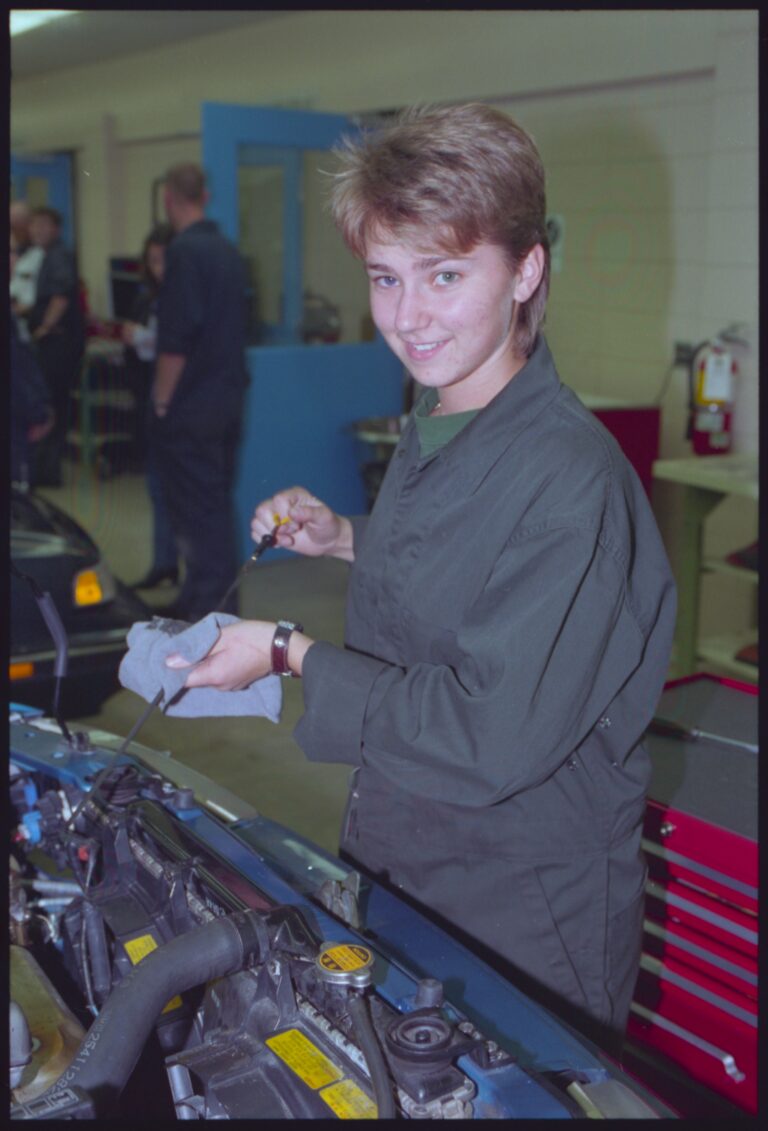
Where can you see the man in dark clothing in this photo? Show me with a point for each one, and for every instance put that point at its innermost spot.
(31, 409)
(55, 323)
(198, 392)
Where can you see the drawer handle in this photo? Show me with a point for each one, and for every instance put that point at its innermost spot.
(725, 1058)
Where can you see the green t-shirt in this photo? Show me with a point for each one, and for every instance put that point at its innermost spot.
(436, 431)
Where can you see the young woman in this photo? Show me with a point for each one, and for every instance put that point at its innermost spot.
(510, 606)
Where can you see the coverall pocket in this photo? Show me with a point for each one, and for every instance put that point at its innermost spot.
(366, 829)
(567, 904)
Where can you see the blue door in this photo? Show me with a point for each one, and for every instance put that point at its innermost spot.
(316, 365)
(46, 178)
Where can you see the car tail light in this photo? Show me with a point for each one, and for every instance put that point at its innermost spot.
(24, 669)
(93, 586)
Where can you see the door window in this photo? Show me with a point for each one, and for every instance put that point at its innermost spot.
(304, 286)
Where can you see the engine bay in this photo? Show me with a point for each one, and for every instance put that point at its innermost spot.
(174, 954)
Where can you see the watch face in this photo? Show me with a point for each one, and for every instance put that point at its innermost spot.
(290, 625)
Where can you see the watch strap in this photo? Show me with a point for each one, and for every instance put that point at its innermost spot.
(280, 640)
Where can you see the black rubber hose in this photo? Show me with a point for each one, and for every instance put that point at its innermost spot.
(114, 1042)
(95, 953)
(371, 1050)
(86, 965)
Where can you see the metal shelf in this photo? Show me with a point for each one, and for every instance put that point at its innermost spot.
(706, 481)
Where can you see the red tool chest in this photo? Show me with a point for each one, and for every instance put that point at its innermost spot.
(637, 431)
(696, 997)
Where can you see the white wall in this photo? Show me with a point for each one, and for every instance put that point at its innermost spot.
(357, 60)
(324, 60)
(627, 170)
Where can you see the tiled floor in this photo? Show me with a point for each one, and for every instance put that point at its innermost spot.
(253, 757)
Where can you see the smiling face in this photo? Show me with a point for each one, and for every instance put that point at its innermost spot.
(449, 318)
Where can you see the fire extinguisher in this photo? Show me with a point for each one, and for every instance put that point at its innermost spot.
(712, 377)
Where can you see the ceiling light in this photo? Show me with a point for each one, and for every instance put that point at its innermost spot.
(26, 19)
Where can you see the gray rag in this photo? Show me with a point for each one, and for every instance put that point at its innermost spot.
(143, 670)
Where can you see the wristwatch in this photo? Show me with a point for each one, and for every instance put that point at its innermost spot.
(280, 646)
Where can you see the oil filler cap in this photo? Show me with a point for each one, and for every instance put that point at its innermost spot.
(345, 964)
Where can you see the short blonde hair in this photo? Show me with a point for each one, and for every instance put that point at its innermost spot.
(466, 174)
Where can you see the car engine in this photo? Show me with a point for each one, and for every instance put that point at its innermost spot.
(165, 962)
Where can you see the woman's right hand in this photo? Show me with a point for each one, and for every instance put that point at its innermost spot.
(305, 525)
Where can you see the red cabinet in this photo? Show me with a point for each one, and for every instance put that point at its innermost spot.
(637, 431)
(696, 996)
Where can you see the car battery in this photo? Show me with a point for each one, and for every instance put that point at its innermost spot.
(695, 1002)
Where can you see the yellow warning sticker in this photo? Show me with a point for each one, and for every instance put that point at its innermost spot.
(305, 1059)
(349, 1101)
(139, 948)
(345, 957)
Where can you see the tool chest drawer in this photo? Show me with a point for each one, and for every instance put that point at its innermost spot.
(679, 846)
(715, 923)
(717, 1048)
(670, 939)
(695, 1002)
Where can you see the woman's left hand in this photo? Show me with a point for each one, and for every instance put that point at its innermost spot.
(242, 654)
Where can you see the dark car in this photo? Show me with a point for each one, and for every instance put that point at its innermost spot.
(96, 609)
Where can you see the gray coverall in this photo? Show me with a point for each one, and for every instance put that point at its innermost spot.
(509, 622)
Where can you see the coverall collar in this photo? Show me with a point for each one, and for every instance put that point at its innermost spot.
(498, 425)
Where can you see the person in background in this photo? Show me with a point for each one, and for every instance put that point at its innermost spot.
(56, 326)
(31, 410)
(19, 215)
(31, 414)
(198, 392)
(26, 266)
(510, 606)
(140, 337)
